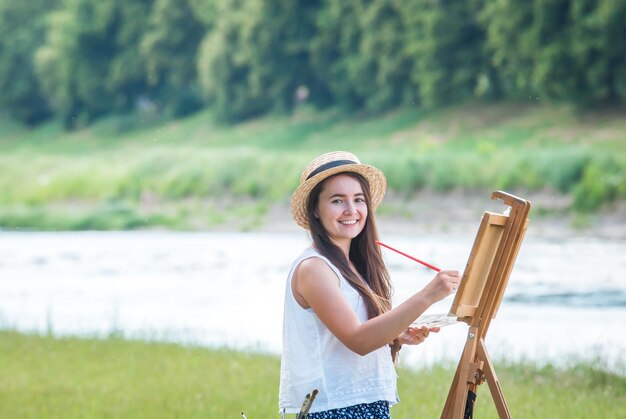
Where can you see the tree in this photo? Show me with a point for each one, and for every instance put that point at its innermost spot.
(358, 52)
(256, 57)
(568, 50)
(530, 42)
(169, 48)
(90, 63)
(445, 43)
(21, 33)
(598, 45)
(509, 44)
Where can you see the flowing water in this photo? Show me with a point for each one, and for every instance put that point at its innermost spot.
(565, 299)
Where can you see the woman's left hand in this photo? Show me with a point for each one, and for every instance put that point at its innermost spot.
(415, 335)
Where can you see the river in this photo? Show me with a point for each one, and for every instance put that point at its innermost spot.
(566, 299)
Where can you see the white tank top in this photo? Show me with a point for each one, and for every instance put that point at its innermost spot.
(313, 358)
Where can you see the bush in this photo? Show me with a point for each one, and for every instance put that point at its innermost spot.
(603, 181)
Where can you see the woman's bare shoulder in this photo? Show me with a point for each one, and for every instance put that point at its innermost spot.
(314, 267)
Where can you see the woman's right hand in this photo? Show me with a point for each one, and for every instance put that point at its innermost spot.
(443, 284)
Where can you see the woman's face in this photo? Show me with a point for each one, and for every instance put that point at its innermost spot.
(341, 208)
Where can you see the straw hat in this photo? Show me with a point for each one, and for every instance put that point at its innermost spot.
(330, 164)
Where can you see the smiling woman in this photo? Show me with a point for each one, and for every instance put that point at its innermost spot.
(338, 321)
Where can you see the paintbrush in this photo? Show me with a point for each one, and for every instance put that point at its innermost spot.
(428, 265)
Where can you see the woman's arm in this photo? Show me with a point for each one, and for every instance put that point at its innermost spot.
(315, 285)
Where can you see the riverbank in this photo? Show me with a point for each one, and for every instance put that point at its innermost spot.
(47, 378)
(459, 212)
(425, 212)
(194, 174)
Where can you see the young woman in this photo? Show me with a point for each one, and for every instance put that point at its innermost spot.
(340, 334)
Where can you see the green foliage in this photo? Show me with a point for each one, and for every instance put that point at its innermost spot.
(255, 58)
(598, 42)
(548, 167)
(109, 215)
(169, 47)
(405, 173)
(334, 51)
(444, 43)
(603, 181)
(90, 63)
(82, 59)
(178, 172)
(569, 50)
(204, 11)
(358, 52)
(510, 43)
(21, 33)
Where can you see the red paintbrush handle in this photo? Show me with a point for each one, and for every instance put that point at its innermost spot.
(428, 265)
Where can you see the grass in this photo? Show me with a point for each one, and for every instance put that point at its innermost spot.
(172, 174)
(46, 377)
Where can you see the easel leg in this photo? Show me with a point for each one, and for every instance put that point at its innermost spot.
(457, 396)
(447, 409)
(492, 380)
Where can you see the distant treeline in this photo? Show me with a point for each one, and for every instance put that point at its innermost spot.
(82, 59)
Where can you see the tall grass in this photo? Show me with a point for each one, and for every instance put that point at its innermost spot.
(158, 172)
(45, 377)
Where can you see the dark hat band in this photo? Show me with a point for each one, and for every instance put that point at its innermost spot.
(329, 165)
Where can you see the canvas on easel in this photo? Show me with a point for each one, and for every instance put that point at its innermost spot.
(477, 301)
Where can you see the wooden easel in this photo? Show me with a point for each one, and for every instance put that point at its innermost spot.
(477, 301)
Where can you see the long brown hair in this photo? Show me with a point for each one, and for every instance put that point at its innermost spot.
(364, 253)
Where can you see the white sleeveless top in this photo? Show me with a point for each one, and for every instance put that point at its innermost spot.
(313, 358)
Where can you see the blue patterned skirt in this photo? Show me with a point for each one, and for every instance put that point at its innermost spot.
(376, 410)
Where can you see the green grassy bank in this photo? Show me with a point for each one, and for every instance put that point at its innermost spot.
(45, 377)
(125, 173)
